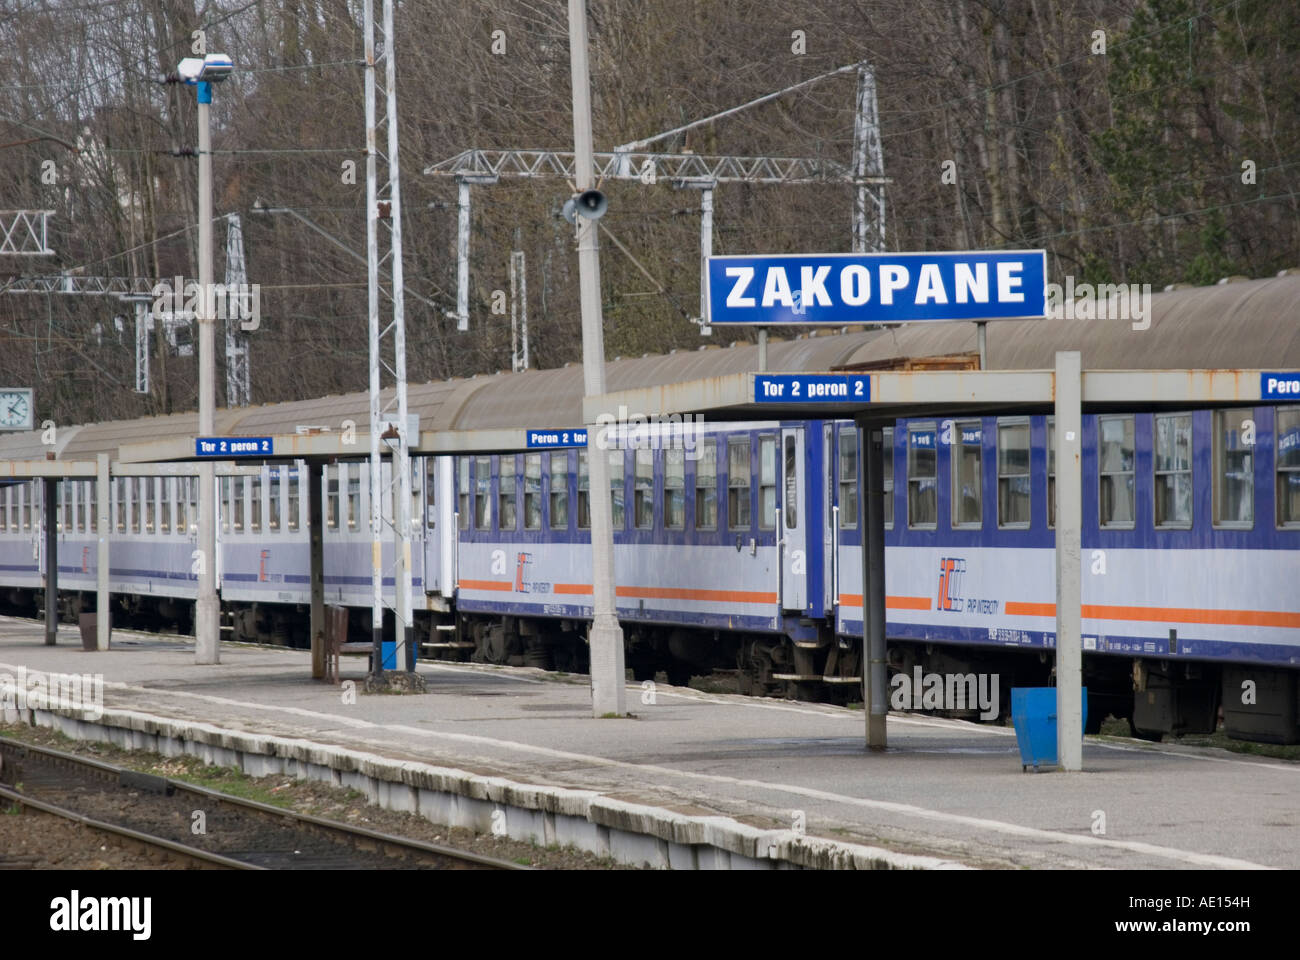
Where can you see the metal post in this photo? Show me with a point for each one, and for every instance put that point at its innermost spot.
(403, 626)
(518, 310)
(1069, 583)
(875, 703)
(103, 601)
(238, 385)
(207, 608)
(143, 321)
(762, 349)
(51, 561)
(706, 251)
(982, 329)
(868, 162)
(316, 534)
(462, 254)
(608, 676)
(372, 276)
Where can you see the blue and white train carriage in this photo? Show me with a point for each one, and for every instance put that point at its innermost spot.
(742, 552)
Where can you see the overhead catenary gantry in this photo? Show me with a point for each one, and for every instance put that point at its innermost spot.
(632, 162)
(143, 293)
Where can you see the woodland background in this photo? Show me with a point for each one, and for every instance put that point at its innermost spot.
(1126, 166)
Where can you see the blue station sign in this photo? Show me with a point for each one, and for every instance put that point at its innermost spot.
(233, 446)
(849, 288)
(1279, 386)
(812, 388)
(555, 439)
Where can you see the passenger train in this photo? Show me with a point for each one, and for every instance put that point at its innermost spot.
(738, 545)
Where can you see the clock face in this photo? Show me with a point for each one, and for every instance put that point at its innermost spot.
(15, 409)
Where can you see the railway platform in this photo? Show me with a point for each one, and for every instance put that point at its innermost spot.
(946, 793)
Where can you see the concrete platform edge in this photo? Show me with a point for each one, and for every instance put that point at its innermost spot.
(632, 833)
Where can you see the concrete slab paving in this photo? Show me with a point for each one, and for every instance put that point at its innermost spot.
(944, 788)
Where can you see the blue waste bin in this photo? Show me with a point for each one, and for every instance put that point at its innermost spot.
(389, 650)
(1033, 711)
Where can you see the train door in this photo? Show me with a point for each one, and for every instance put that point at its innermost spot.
(793, 522)
(428, 519)
(830, 534)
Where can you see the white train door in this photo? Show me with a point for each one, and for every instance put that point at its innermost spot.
(792, 523)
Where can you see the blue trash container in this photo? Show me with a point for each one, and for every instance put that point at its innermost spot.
(389, 651)
(1033, 711)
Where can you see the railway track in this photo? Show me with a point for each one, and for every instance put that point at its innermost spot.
(210, 829)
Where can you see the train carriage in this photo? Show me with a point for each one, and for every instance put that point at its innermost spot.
(737, 546)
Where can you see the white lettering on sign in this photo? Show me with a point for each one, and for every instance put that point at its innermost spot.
(929, 286)
(735, 298)
(972, 285)
(1276, 385)
(812, 286)
(855, 285)
(777, 289)
(892, 278)
(1007, 283)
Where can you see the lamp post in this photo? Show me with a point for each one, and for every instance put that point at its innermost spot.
(608, 691)
(201, 73)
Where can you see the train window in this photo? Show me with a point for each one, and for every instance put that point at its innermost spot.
(584, 492)
(293, 487)
(183, 485)
(1115, 466)
(967, 446)
(237, 504)
(1288, 467)
(617, 488)
(4, 507)
(430, 491)
(92, 506)
(888, 472)
(560, 491)
(274, 486)
(165, 504)
(848, 478)
(706, 485)
(255, 488)
(738, 477)
(1234, 469)
(791, 483)
(354, 496)
(28, 491)
(767, 483)
(1051, 472)
(674, 488)
(643, 489)
(1173, 470)
(332, 496)
(66, 497)
(507, 515)
(532, 491)
(462, 492)
(482, 493)
(136, 486)
(922, 492)
(1013, 475)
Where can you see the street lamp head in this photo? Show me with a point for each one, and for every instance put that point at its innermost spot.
(212, 68)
